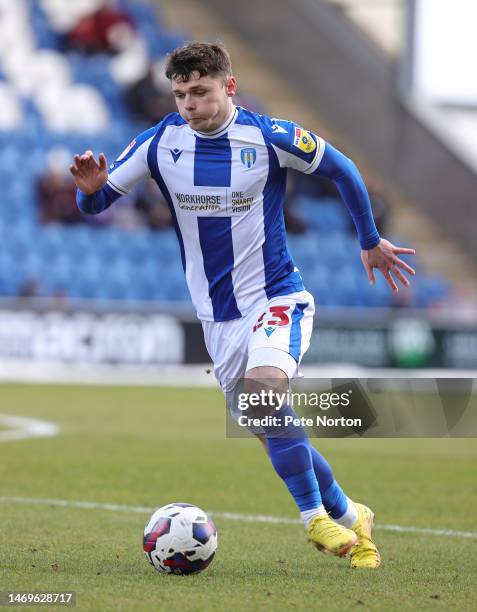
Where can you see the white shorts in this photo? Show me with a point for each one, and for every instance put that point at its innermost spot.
(275, 333)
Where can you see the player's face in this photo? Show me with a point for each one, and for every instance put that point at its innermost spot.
(204, 102)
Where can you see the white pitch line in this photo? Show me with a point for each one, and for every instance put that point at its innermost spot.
(21, 428)
(231, 516)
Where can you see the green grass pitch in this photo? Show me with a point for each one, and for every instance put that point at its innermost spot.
(151, 446)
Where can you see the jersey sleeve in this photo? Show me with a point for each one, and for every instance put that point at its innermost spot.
(295, 147)
(131, 166)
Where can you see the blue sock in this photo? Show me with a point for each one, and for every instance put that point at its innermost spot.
(290, 452)
(334, 499)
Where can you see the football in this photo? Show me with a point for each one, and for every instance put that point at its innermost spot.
(180, 539)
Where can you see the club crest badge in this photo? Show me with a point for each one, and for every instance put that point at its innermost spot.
(248, 156)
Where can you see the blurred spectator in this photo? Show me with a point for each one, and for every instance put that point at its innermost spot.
(319, 187)
(379, 204)
(153, 208)
(293, 223)
(107, 30)
(144, 207)
(404, 298)
(459, 302)
(314, 187)
(123, 213)
(150, 98)
(31, 288)
(56, 190)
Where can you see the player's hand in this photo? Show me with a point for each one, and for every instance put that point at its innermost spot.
(89, 175)
(385, 258)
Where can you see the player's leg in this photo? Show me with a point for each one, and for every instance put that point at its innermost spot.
(348, 514)
(359, 518)
(337, 504)
(340, 507)
(289, 450)
(285, 327)
(228, 345)
(287, 445)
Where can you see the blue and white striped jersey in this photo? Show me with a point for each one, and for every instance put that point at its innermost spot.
(226, 192)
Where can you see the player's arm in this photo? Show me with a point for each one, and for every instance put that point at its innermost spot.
(97, 187)
(304, 151)
(376, 252)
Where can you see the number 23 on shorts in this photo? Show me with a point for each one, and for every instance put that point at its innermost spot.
(275, 316)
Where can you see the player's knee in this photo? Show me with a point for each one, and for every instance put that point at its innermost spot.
(265, 386)
(266, 372)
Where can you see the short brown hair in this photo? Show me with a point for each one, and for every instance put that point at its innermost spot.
(208, 59)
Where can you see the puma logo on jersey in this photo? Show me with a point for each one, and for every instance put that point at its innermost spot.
(278, 129)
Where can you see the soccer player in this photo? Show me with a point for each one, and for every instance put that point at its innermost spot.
(222, 170)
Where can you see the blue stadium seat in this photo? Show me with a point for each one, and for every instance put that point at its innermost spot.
(60, 271)
(138, 245)
(51, 241)
(79, 239)
(46, 38)
(431, 290)
(109, 243)
(378, 296)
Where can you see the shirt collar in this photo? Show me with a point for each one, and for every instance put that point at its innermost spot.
(221, 129)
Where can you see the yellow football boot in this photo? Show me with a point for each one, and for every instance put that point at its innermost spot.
(364, 553)
(330, 537)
